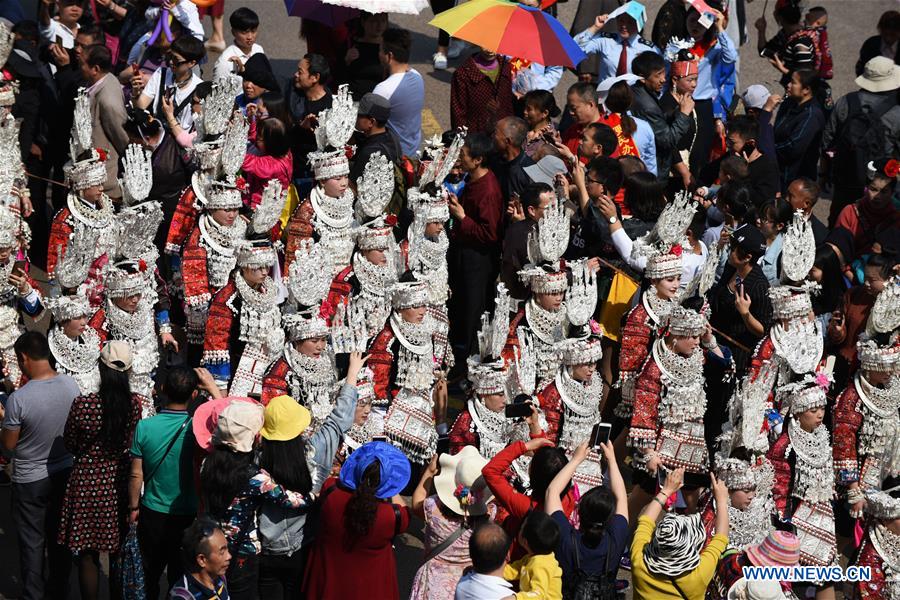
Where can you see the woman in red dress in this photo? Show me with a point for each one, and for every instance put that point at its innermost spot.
(361, 513)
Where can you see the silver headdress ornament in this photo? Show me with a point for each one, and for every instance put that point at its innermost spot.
(487, 369)
(408, 294)
(305, 280)
(348, 327)
(12, 172)
(792, 302)
(9, 228)
(686, 322)
(747, 410)
(365, 386)
(72, 270)
(90, 171)
(66, 308)
(736, 474)
(234, 145)
(137, 175)
(803, 395)
(450, 158)
(676, 45)
(669, 229)
(7, 39)
(581, 300)
(704, 280)
(666, 263)
(882, 505)
(525, 362)
(546, 244)
(217, 107)
(207, 156)
(798, 250)
(336, 126)
(874, 357)
(136, 227)
(269, 208)
(581, 350)
(375, 235)
(304, 326)
(222, 194)
(125, 278)
(257, 253)
(885, 315)
(375, 187)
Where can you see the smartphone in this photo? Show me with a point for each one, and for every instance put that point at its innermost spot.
(749, 147)
(20, 265)
(170, 92)
(661, 475)
(59, 41)
(600, 434)
(379, 438)
(516, 410)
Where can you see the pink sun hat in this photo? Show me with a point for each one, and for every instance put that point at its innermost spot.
(780, 548)
(206, 419)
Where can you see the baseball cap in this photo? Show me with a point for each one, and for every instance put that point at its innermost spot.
(756, 96)
(375, 106)
(285, 419)
(545, 170)
(117, 355)
(749, 239)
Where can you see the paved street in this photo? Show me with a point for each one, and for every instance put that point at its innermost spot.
(851, 21)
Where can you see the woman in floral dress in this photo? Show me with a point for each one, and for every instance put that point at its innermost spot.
(98, 433)
(450, 513)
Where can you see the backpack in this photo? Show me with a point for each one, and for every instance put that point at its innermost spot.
(589, 586)
(860, 139)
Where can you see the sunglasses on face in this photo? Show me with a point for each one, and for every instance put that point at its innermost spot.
(175, 62)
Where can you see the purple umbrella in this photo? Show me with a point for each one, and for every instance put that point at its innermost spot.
(316, 10)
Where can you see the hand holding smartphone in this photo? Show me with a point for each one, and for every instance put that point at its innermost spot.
(600, 435)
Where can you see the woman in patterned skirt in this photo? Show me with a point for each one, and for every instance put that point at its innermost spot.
(98, 433)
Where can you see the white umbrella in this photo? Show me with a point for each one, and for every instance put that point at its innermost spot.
(406, 7)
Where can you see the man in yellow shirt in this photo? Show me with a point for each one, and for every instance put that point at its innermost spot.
(668, 560)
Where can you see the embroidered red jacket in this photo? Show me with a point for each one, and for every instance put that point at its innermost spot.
(382, 363)
(194, 271)
(342, 287)
(874, 589)
(183, 221)
(847, 422)
(463, 433)
(275, 381)
(637, 334)
(779, 456)
(299, 228)
(645, 418)
(552, 405)
(218, 349)
(512, 338)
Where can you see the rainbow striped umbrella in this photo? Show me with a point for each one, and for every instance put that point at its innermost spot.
(512, 29)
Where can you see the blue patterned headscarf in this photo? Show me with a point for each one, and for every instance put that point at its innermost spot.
(395, 468)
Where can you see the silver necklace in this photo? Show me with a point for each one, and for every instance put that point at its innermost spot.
(581, 407)
(134, 326)
(492, 428)
(334, 212)
(683, 398)
(657, 308)
(260, 319)
(814, 472)
(750, 527)
(415, 362)
(374, 280)
(92, 216)
(312, 382)
(218, 241)
(549, 327)
(887, 544)
(881, 419)
(77, 357)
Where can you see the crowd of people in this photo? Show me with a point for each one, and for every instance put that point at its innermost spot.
(252, 331)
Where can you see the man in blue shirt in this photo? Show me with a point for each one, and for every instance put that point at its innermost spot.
(404, 88)
(615, 50)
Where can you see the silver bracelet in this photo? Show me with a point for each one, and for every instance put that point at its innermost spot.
(712, 345)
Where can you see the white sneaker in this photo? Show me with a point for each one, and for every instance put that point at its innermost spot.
(439, 61)
(456, 48)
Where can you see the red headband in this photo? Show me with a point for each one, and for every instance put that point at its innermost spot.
(685, 68)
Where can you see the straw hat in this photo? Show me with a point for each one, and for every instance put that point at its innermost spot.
(880, 75)
(461, 473)
(766, 589)
(285, 419)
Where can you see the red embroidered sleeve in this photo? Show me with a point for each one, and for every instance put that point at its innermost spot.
(299, 228)
(512, 338)
(647, 391)
(218, 327)
(869, 557)
(183, 221)
(847, 422)
(97, 323)
(274, 383)
(194, 273)
(60, 230)
(764, 353)
(461, 435)
(781, 490)
(551, 404)
(338, 293)
(635, 340)
(380, 361)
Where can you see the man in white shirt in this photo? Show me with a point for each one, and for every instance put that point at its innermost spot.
(244, 27)
(177, 78)
(488, 546)
(404, 88)
(64, 27)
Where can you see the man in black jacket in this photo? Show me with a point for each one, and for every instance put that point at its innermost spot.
(652, 69)
(371, 121)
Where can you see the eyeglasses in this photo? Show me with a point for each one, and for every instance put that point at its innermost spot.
(591, 180)
(174, 61)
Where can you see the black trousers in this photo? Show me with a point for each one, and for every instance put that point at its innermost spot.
(473, 279)
(439, 6)
(281, 577)
(159, 536)
(36, 508)
(243, 577)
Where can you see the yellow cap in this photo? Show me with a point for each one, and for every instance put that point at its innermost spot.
(285, 419)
